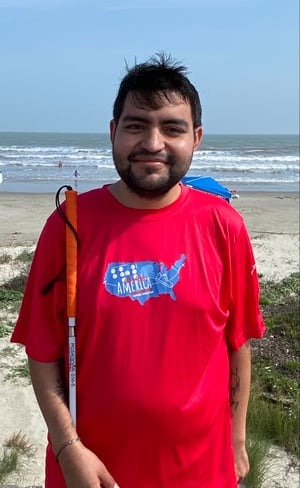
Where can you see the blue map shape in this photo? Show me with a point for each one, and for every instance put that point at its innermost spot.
(142, 280)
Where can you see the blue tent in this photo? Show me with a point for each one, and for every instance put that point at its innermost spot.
(206, 183)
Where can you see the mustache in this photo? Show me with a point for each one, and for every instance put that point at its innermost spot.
(162, 156)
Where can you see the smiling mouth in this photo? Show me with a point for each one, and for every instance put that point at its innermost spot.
(148, 158)
(149, 161)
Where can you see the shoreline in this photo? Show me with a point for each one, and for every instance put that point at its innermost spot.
(83, 184)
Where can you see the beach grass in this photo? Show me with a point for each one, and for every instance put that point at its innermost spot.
(15, 448)
(5, 258)
(257, 449)
(273, 415)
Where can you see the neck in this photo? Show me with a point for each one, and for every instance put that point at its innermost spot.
(130, 199)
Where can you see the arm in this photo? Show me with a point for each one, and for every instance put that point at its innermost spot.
(80, 466)
(240, 377)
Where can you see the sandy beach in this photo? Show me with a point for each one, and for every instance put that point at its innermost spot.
(273, 223)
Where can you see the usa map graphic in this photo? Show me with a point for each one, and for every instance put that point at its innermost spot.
(142, 280)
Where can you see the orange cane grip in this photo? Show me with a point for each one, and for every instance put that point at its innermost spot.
(71, 252)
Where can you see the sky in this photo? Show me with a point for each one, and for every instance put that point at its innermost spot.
(62, 60)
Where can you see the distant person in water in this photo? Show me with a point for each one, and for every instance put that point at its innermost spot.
(76, 173)
(60, 164)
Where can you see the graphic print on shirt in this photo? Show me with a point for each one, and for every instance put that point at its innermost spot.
(142, 280)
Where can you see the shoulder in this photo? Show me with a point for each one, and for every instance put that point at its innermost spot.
(214, 208)
(99, 198)
(86, 202)
(93, 195)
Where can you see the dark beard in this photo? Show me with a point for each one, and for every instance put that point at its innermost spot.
(157, 188)
(151, 191)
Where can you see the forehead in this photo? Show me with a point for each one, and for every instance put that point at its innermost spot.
(160, 104)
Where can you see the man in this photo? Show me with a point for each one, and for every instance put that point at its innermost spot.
(167, 304)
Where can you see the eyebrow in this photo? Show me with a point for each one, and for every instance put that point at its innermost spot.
(171, 121)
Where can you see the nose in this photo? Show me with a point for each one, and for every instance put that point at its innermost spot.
(153, 140)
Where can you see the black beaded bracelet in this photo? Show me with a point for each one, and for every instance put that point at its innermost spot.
(66, 444)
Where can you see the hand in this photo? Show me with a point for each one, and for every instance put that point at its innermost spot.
(241, 461)
(81, 468)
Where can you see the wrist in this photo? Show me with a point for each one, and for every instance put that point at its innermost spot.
(65, 445)
(238, 437)
(239, 443)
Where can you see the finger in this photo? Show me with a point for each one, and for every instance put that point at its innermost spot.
(109, 483)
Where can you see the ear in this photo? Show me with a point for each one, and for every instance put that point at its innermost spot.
(198, 134)
(112, 128)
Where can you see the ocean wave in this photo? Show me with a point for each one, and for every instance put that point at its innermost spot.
(287, 162)
(259, 180)
(239, 158)
(113, 177)
(232, 160)
(247, 168)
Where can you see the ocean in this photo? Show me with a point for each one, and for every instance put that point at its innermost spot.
(42, 162)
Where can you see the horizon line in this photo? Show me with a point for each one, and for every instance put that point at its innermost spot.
(107, 133)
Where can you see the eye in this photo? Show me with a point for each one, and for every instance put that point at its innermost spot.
(175, 130)
(134, 127)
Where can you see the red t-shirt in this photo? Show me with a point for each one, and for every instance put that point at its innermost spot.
(161, 293)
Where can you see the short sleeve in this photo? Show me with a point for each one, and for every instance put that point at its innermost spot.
(245, 319)
(42, 321)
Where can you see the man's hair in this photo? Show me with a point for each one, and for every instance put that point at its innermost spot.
(152, 82)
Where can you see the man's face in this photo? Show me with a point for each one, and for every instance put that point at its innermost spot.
(153, 149)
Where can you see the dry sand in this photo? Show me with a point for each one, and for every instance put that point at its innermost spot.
(273, 223)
